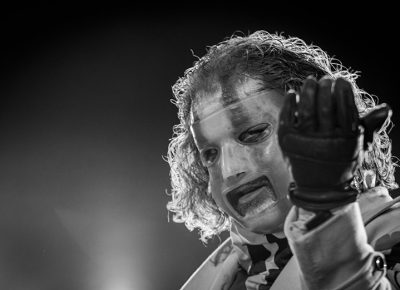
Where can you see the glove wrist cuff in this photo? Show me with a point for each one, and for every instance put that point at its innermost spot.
(321, 199)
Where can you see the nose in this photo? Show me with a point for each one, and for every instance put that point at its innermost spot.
(234, 163)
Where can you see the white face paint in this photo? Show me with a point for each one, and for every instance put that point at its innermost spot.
(236, 136)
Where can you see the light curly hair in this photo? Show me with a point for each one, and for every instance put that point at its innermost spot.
(282, 63)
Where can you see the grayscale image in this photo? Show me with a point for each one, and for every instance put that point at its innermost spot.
(197, 147)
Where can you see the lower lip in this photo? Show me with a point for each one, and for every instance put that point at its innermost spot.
(255, 202)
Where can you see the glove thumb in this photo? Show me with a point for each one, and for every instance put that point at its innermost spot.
(374, 121)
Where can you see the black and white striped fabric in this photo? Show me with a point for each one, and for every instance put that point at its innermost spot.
(261, 263)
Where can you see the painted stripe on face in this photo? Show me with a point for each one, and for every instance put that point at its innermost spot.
(231, 100)
(233, 120)
(226, 96)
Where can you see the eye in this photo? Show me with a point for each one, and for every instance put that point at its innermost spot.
(256, 134)
(208, 156)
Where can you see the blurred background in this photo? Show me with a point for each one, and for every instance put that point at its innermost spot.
(85, 118)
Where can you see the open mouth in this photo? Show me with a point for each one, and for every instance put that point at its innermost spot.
(252, 197)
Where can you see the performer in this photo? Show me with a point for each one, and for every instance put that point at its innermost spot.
(278, 145)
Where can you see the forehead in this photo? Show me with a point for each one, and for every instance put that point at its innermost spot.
(236, 99)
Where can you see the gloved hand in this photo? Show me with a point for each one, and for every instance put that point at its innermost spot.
(322, 135)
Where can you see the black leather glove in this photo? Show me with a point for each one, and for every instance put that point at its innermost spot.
(322, 135)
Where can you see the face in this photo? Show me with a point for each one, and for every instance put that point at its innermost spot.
(235, 131)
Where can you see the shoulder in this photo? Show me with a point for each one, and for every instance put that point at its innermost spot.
(382, 220)
(217, 271)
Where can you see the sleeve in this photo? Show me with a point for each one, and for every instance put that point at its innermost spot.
(336, 254)
(217, 271)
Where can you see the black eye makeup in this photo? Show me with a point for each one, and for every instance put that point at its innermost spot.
(255, 134)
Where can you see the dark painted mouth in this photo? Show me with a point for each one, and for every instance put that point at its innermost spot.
(234, 195)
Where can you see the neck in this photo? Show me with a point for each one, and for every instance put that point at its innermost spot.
(240, 235)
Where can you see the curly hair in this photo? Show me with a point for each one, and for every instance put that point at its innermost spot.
(282, 63)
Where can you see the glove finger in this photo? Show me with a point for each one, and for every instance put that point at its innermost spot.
(325, 106)
(374, 121)
(306, 106)
(346, 110)
(288, 114)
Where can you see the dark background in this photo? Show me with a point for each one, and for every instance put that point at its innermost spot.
(86, 118)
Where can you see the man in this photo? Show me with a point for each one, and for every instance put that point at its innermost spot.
(264, 117)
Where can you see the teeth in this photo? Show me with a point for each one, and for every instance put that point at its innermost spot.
(263, 206)
(271, 194)
(252, 197)
(256, 201)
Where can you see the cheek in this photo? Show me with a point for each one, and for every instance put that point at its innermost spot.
(268, 157)
(215, 182)
(265, 153)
